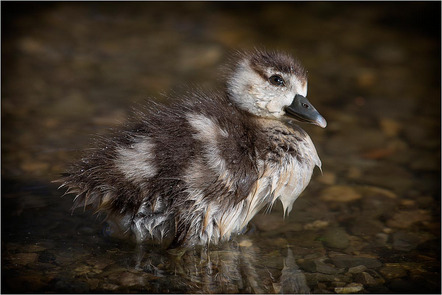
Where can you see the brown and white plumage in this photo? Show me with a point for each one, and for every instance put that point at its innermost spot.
(197, 169)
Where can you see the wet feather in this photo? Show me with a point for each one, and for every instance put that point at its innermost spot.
(198, 168)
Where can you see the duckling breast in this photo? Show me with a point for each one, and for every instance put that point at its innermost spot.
(285, 167)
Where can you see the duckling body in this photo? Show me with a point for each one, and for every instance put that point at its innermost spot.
(198, 169)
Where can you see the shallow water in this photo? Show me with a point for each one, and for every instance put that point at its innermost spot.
(369, 224)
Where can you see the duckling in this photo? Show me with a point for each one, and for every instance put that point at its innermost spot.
(197, 169)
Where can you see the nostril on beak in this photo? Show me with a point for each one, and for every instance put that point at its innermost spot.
(305, 105)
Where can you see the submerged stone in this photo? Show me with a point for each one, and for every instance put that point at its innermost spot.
(350, 288)
(404, 219)
(365, 279)
(390, 127)
(340, 193)
(391, 271)
(336, 238)
(343, 260)
(363, 226)
(23, 258)
(318, 266)
(406, 241)
(357, 269)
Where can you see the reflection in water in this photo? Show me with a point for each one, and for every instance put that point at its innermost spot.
(292, 278)
(229, 268)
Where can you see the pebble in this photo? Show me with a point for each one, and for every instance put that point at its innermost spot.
(338, 284)
(365, 279)
(381, 239)
(246, 243)
(404, 219)
(370, 190)
(364, 226)
(408, 203)
(51, 123)
(357, 269)
(307, 252)
(33, 248)
(393, 270)
(340, 193)
(390, 127)
(327, 178)
(31, 46)
(314, 278)
(377, 206)
(350, 288)
(344, 260)
(99, 263)
(387, 230)
(318, 266)
(86, 270)
(23, 258)
(322, 288)
(406, 241)
(398, 180)
(317, 224)
(110, 287)
(307, 239)
(336, 237)
(366, 78)
(129, 279)
(94, 283)
(354, 172)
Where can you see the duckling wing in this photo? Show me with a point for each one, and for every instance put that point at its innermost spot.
(226, 149)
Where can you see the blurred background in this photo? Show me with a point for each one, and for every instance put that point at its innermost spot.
(369, 223)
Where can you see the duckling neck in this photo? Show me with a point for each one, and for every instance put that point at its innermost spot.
(287, 140)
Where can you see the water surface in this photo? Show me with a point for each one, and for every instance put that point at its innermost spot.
(370, 223)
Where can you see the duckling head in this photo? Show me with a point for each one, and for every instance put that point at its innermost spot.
(272, 85)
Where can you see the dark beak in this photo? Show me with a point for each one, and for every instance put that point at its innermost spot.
(302, 110)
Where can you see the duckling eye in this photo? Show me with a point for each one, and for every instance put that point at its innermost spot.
(277, 80)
